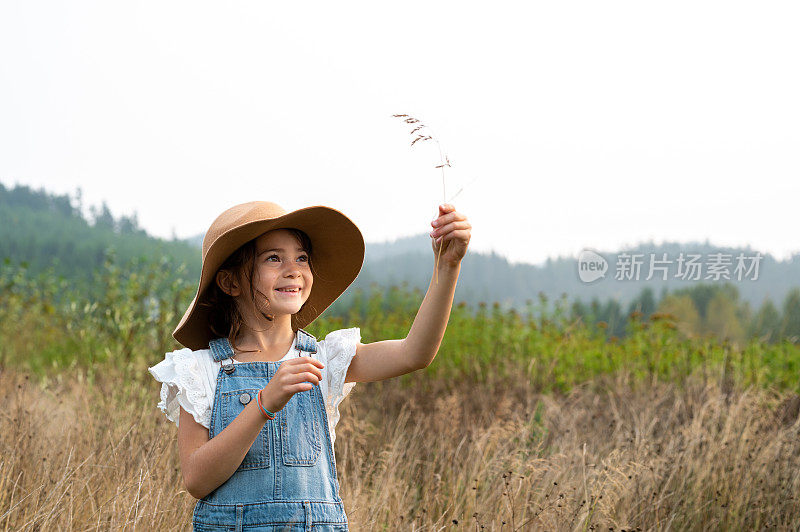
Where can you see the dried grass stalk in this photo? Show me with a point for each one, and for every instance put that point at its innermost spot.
(420, 131)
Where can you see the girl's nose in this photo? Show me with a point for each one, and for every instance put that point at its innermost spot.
(293, 271)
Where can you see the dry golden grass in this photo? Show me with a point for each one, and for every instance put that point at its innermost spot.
(79, 455)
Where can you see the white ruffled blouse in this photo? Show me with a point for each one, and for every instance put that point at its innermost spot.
(189, 378)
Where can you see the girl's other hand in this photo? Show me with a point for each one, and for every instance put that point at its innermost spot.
(293, 375)
(453, 230)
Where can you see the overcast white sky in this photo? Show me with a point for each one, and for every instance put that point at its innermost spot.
(587, 124)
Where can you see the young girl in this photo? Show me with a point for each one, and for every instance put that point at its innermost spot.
(255, 397)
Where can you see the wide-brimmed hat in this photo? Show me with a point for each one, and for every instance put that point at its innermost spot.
(337, 249)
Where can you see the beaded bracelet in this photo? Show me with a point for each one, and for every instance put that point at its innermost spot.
(267, 413)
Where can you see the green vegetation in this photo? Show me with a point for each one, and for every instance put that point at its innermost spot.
(105, 292)
(702, 311)
(43, 230)
(47, 324)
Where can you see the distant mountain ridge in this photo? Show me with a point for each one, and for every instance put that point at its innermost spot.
(42, 229)
(492, 278)
(47, 230)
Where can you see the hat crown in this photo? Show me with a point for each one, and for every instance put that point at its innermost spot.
(239, 215)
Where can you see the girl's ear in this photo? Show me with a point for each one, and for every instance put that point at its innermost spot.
(227, 283)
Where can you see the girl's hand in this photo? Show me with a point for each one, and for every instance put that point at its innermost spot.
(293, 375)
(453, 230)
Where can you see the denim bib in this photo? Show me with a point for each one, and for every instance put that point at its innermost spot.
(287, 480)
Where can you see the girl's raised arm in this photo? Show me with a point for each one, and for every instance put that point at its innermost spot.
(390, 358)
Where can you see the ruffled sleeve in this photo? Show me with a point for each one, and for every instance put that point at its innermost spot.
(339, 348)
(184, 384)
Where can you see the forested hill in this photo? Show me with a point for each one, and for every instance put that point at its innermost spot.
(43, 230)
(490, 277)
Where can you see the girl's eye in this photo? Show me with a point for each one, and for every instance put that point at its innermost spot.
(304, 257)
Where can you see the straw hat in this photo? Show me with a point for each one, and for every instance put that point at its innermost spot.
(337, 246)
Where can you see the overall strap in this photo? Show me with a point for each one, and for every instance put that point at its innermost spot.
(220, 349)
(306, 342)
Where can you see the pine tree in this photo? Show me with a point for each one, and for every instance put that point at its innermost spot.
(791, 316)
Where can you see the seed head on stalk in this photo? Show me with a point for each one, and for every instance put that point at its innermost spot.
(421, 132)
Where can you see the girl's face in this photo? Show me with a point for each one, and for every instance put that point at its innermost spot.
(282, 272)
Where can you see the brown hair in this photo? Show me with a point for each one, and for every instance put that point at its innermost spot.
(224, 318)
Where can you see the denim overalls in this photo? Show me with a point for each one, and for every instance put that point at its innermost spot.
(287, 480)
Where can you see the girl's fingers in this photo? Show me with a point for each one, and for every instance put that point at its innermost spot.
(310, 360)
(304, 377)
(446, 208)
(461, 234)
(313, 369)
(306, 364)
(446, 218)
(451, 227)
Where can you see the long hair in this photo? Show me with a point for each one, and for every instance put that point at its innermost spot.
(225, 318)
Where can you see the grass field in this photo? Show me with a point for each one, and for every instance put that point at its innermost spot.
(616, 452)
(519, 424)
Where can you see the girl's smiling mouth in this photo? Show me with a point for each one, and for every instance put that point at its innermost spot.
(289, 290)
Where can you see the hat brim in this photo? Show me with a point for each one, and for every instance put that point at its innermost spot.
(338, 255)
